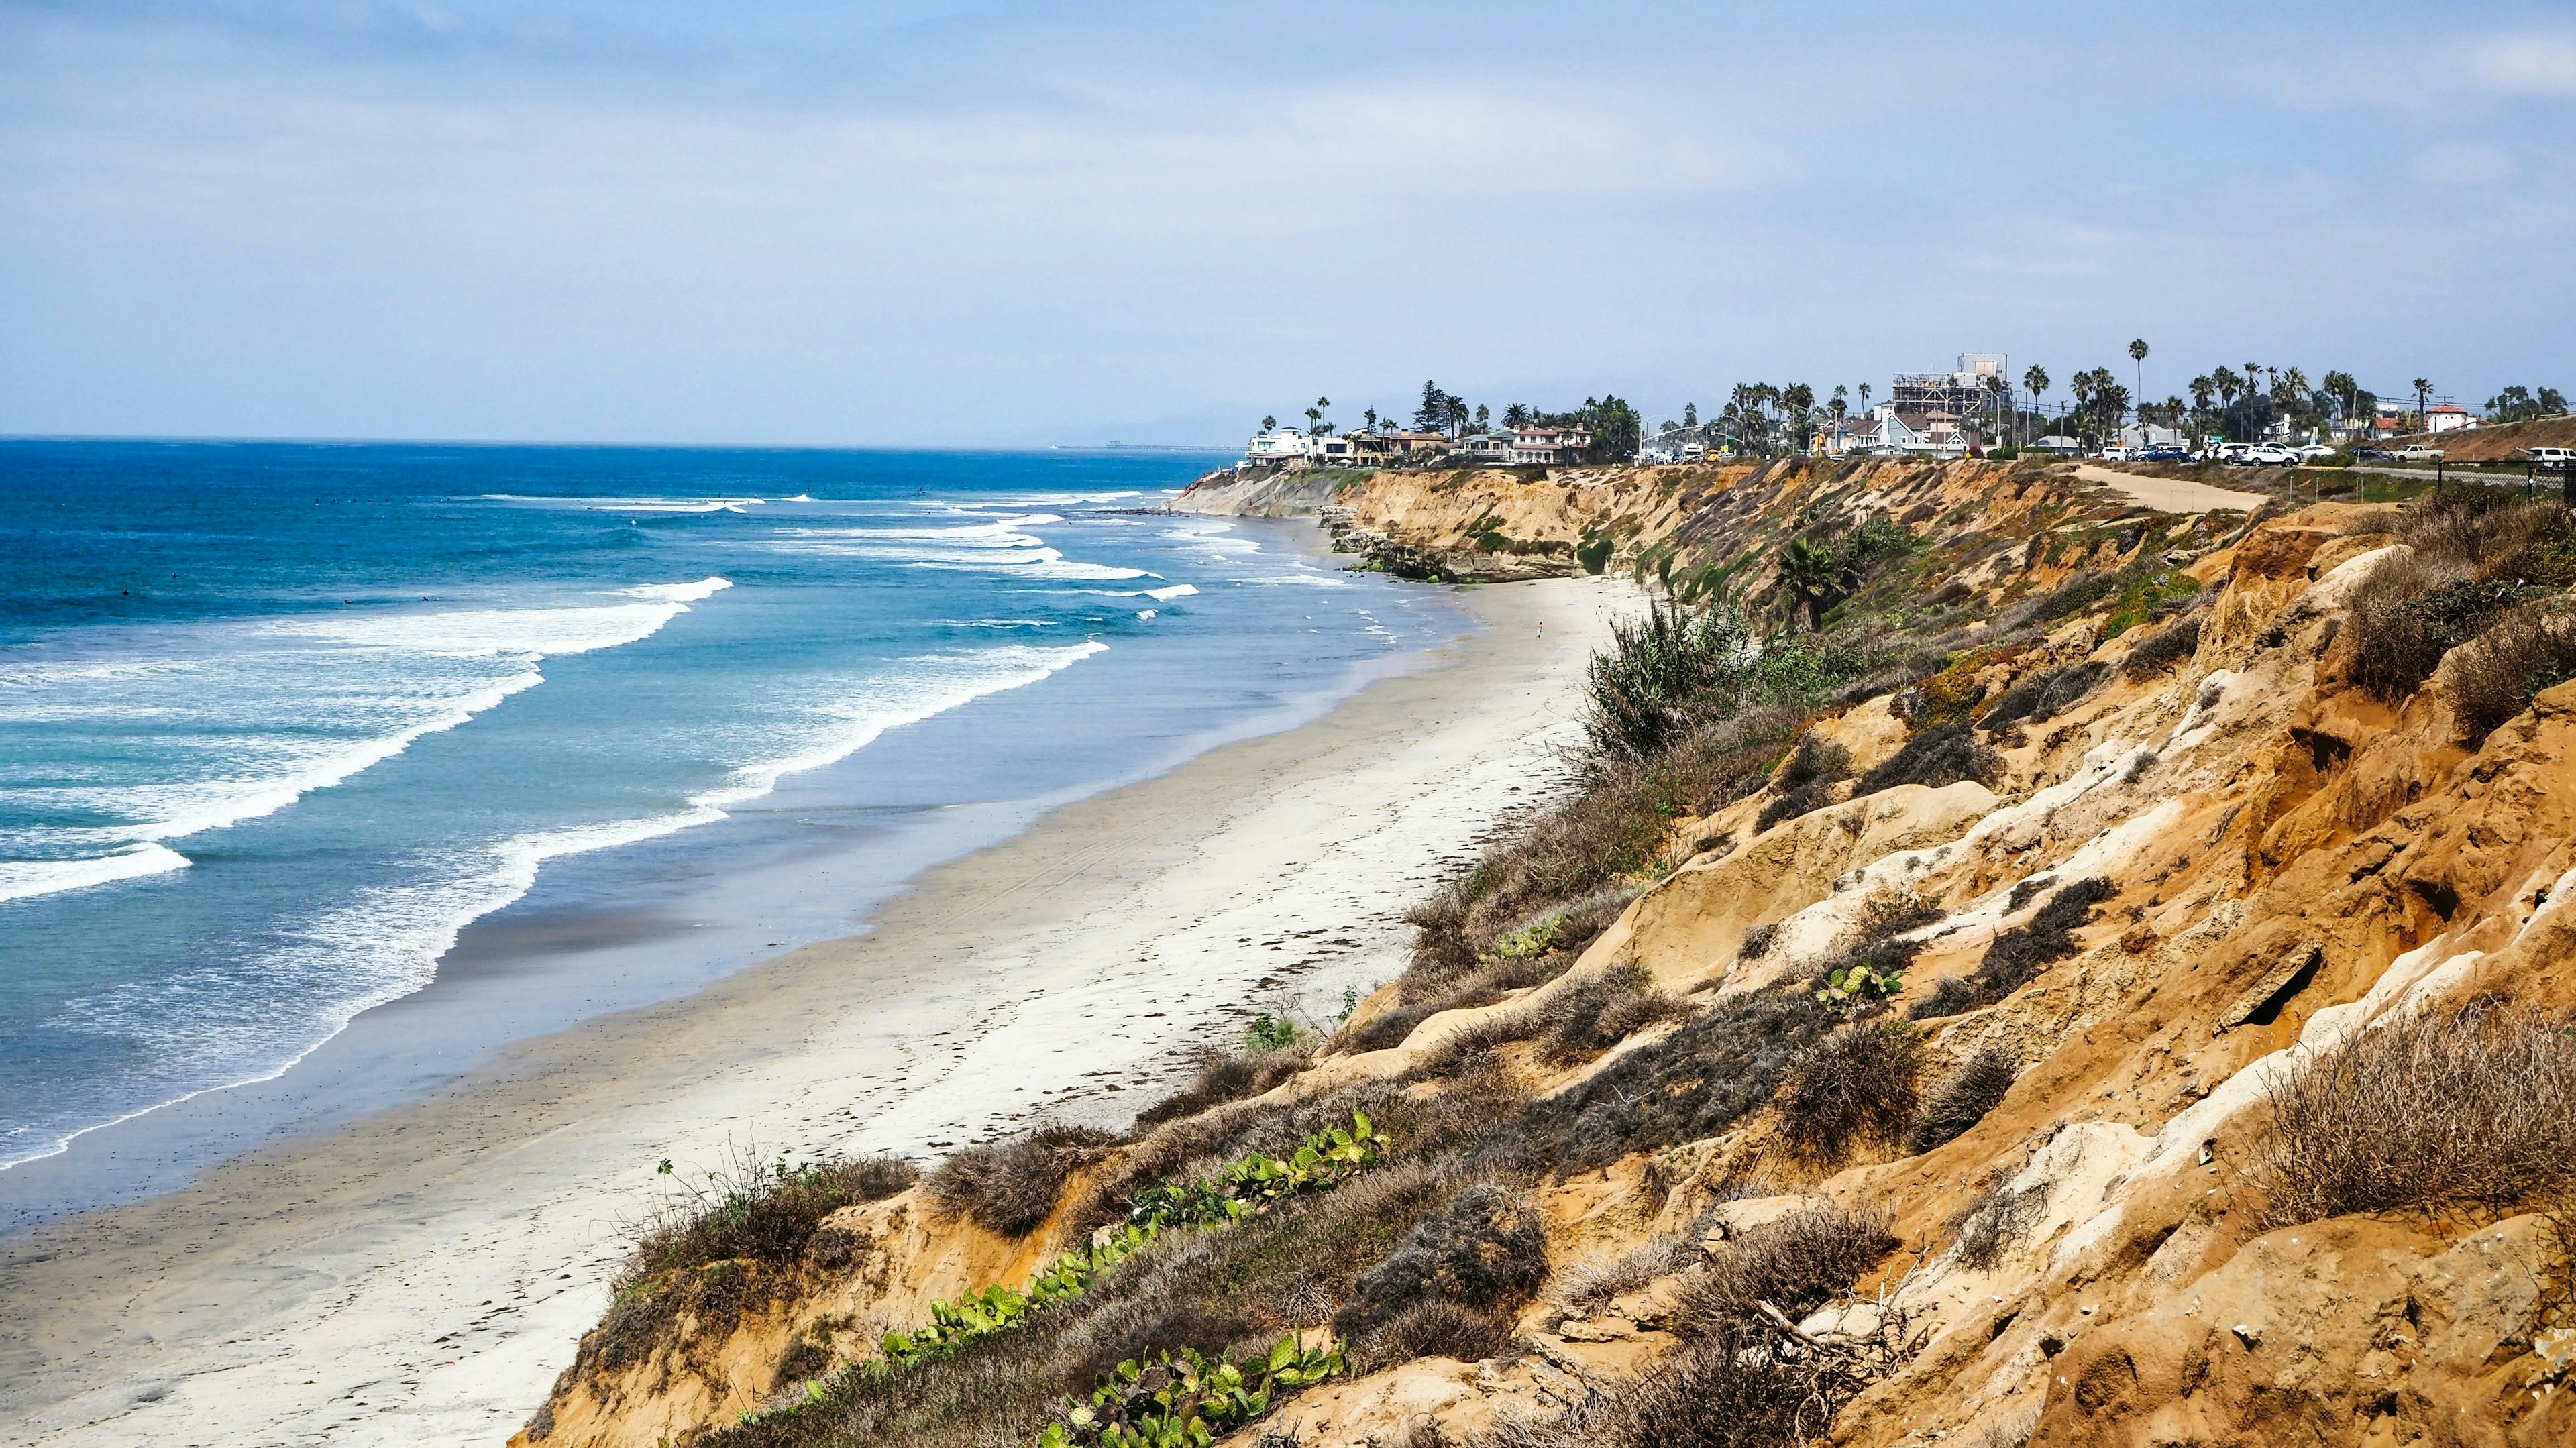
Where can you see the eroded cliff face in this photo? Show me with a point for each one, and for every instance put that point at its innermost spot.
(2289, 861)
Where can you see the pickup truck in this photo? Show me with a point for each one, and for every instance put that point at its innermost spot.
(2416, 452)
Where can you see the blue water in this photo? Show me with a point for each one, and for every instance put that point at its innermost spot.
(277, 721)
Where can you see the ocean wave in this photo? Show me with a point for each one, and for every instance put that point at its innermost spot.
(1033, 563)
(481, 633)
(23, 879)
(296, 667)
(937, 684)
(614, 504)
(679, 592)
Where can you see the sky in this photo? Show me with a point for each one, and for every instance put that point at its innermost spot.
(994, 224)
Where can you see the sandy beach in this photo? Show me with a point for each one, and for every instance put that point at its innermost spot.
(419, 1276)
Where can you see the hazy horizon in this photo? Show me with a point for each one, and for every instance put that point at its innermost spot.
(998, 225)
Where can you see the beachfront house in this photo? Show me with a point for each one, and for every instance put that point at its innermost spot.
(1491, 449)
(2446, 418)
(1279, 447)
(1550, 445)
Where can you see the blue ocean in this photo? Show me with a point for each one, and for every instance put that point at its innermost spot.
(280, 722)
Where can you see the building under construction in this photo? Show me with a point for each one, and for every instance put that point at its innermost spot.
(1979, 388)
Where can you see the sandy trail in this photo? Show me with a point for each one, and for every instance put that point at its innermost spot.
(2171, 495)
(420, 1276)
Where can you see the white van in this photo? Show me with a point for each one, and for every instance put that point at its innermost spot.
(2551, 457)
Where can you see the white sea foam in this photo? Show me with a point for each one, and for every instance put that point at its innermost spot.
(380, 673)
(679, 592)
(20, 879)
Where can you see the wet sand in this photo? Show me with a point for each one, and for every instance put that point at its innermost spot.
(419, 1276)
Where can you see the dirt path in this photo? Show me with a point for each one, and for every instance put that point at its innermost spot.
(2171, 495)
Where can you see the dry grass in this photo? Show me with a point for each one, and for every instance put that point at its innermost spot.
(1977, 1087)
(1224, 1076)
(2162, 651)
(2494, 676)
(1994, 1221)
(2045, 695)
(2018, 955)
(1796, 1263)
(1690, 1085)
(1586, 1288)
(758, 1213)
(1011, 1186)
(1718, 1393)
(2475, 555)
(1806, 780)
(1853, 1090)
(1575, 863)
(1483, 1254)
(2450, 1111)
(1941, 755)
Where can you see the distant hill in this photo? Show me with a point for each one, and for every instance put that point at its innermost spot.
(2502, 443)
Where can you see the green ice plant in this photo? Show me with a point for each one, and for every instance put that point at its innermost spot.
(1848, 987)
(1186, 1399)
(1324, 1159)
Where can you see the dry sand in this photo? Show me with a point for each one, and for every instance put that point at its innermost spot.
(420, 1276)
(2171, 495)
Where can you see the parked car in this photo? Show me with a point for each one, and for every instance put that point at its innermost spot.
(2416, 452)
(2115, 454)
(2370, 454)
(2314, 451)
(2234, 454)
(2552, 457)
(2271, 454)
(2164, 455)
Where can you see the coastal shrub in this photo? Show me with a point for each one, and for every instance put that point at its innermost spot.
(1692, 1084)
(2393, 651)
(2493, 677)
(1722, 1392)
(2045, 695)
(2490, 535)
(1485, 1251)
(1943, 754)
(1797, 1262)
(1854, 1089)
(1994, 1220)
(2443, 1111)
(1960, 1102)
(1806, 779)
(1011, 1186)
(1224, 1076)
(1603, 1010)
(1433, 1328)
(1581, 858)
(758, 1213)
(1637, 689)
(2017, 956)
(1587, 1288)
(2162, 651)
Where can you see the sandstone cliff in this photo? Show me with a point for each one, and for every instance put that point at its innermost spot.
(2108, 824)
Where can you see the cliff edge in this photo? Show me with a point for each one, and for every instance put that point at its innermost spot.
(2009, 965)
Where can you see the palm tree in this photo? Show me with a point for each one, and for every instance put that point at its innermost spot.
(1269, 424)
(1370, 415)
(1813, 573)
(2036, 379)
(2423, 390)
(2201, 390)
(2138, 355)
(2227, 383)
